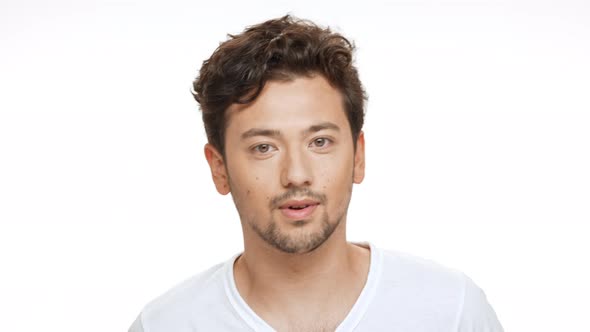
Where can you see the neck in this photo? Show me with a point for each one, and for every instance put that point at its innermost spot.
(264, 270)
(289, 290)
(262, 261)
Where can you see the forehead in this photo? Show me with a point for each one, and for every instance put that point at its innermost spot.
(293, 104)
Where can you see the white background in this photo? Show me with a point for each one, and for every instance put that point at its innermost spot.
(478, 151)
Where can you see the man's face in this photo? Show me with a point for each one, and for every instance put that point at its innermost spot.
(290, 163)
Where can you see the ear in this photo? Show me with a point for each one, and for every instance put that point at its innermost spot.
(359, 159)
(218, 169)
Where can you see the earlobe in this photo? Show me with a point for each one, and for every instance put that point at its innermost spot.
(359, 159)
(218, 169)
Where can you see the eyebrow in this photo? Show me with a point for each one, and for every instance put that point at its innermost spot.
(321, 126)
(277, 133)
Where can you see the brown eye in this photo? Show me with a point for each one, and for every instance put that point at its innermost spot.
(320, 142)
(262, 148)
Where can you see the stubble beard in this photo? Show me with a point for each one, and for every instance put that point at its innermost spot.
(299, 240)
(300, 243)
(296, 244)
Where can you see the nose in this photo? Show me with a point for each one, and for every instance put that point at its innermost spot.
(296, 170)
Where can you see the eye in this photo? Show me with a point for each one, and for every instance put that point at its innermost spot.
(320, 142)
(263, 148)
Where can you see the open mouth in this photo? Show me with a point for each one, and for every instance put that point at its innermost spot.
(298, 209)
(298, 206)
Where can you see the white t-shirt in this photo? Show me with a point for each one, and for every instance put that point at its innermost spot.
(402, 293)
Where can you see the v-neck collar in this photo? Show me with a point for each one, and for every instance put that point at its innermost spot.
(351, 320)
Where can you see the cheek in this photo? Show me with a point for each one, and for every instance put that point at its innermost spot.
(335, 177)
(336, 170)
(249, 189)
(249, 182)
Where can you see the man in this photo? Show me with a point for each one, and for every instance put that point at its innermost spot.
(283, 110)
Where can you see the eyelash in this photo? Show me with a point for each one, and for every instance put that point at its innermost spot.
(326, 139)
(256, 148)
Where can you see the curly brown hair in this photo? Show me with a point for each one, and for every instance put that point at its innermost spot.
(278, 49)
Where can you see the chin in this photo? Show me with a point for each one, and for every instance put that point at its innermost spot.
(307, 237)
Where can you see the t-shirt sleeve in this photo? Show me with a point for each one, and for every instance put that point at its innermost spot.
(476, 314)
(136, 326)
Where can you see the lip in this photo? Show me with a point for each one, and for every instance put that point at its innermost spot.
(298, 214)
(298, 202)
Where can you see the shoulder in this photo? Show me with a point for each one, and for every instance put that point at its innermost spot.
(439, 291)
(417, 271)
(178, 304)
(191, 289)
(476, 313)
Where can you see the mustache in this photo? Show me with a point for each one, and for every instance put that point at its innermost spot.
(296, 192)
